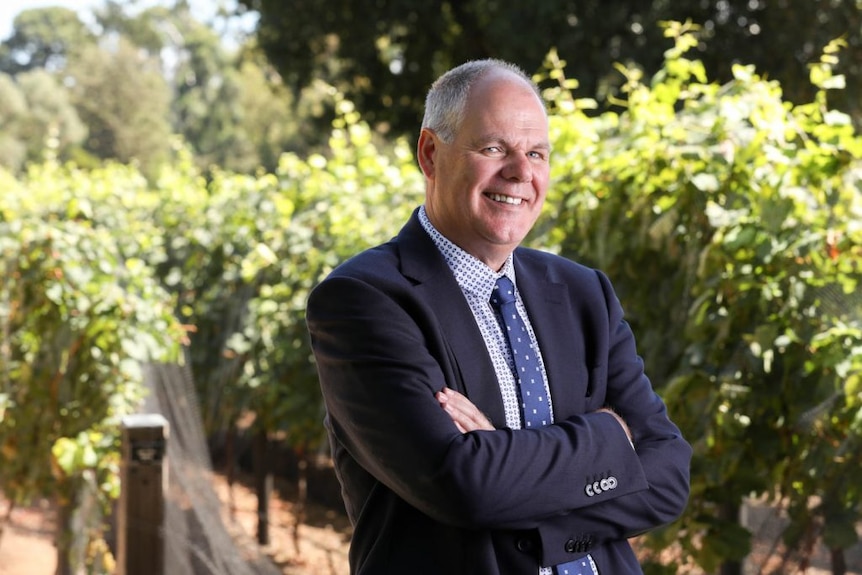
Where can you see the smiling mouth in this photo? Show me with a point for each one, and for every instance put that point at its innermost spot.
(506, 199)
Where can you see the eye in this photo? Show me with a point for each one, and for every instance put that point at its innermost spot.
(493, 149)
(536, 155)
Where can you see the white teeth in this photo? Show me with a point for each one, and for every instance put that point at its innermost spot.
(505, 199)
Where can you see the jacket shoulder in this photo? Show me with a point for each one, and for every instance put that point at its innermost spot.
(553, 266)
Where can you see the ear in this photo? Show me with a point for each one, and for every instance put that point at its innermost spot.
(426, 150)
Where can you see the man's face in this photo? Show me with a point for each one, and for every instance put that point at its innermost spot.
(486, 187)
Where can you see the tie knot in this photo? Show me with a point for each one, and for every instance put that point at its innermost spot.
(504, 292)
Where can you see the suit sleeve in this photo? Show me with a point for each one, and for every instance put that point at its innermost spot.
(662, 453)
(381, 358)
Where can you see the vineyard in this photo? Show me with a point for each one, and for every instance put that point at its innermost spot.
(729, 220)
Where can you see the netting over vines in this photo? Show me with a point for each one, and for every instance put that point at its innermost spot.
(197, 541)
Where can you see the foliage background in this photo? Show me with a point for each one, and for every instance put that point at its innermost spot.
(370, 50)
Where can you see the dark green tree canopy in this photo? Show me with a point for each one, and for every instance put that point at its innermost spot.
(384, 55)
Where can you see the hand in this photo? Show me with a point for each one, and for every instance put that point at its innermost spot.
(464, 414)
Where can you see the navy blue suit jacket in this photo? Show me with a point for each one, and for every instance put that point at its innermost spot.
(390, 328)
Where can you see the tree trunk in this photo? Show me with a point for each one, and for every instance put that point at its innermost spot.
(301, 497)
(730, 512)
(731, 568)
(262, 484)
(63, 537)
(230, 466)
(230, 454)
(839, 563)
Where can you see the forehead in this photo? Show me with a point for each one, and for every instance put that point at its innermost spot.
(502, 103)
(501, 79)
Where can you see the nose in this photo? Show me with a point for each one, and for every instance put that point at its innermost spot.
(518, 169)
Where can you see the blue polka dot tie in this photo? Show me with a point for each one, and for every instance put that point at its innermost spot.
(535, 409)
(531, 385)
(580, 567)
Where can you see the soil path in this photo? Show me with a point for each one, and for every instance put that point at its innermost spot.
(26, 546)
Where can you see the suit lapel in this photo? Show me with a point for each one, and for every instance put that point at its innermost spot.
(473, 371)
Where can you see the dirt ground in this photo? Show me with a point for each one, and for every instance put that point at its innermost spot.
(27, 546)
(318, 546)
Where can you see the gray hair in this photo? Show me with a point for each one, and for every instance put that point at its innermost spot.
(447, 98)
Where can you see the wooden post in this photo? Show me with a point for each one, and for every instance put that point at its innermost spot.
(262, 483)
(143, 476)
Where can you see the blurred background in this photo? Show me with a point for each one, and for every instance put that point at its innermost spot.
(175, 177)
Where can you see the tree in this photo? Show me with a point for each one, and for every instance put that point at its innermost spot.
(205, 108)
(273, 119)
(51, 121)
(124, 100)
(228, 105)
(13, 107)
(36, 117)
(43, 38)
(371, 51)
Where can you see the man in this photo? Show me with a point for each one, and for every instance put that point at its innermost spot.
(444, 467)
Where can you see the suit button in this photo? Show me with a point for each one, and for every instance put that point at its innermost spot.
(525, 544)
(571, 546)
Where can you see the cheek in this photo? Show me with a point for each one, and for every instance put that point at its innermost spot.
(478, 173)
(541, 180)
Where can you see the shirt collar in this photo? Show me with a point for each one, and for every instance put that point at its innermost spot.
(471, 274)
